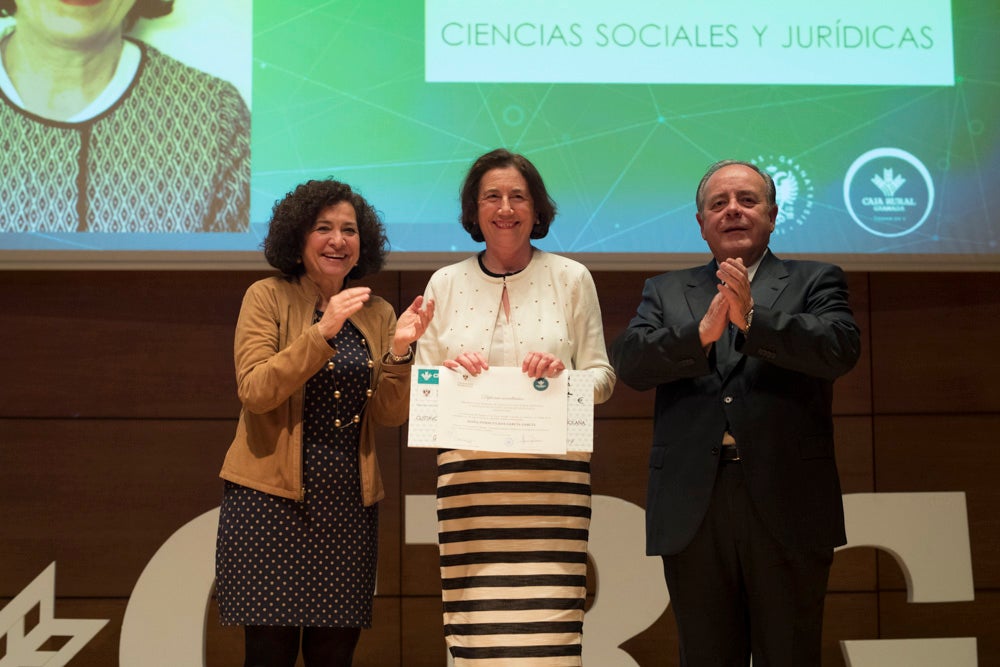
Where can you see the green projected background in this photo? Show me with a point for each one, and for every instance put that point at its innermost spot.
(868, 175)
(339, 90)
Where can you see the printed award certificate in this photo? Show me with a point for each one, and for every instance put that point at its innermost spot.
(501, 410)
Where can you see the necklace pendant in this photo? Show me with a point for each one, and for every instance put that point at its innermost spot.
(336, 422)
(356, 419)
(369, 392)
(336, 394)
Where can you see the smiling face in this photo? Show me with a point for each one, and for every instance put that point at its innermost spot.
(735, 217)
(332, 247)
(506, 211)
(81, 24)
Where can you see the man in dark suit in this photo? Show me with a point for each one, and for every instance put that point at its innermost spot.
(744, 501)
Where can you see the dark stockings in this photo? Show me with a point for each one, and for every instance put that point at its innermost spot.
(278, 646)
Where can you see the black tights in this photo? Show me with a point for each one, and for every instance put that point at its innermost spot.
(278, 646)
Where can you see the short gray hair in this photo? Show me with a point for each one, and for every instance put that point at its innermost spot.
(699, 196)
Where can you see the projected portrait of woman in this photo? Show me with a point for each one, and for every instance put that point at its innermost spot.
(100, 132)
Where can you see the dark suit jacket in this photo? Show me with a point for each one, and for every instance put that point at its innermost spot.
(775, 397)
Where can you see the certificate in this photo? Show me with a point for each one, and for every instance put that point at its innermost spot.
(501, 410)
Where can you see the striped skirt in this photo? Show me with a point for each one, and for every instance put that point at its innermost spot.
(512, 533)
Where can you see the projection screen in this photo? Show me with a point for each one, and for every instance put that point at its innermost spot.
(877, 122)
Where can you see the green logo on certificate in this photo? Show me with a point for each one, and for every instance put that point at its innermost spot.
(427, 376)
(541, 384)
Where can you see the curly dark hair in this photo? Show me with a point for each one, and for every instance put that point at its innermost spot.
(293, 218)
(501, 158)
(143, 9)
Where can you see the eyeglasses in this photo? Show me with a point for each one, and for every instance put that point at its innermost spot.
(516, 200)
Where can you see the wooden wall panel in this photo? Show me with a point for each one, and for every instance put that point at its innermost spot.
(117, 403)
(124, 344)
(99, 497)
(847, 616)
(855, 463)
(119, 344)
(390, 513)
(946, 453)
(420, 572)
(852, 393)
(899, 619)
(422, 632)
(223, 643)
(620, 463)
(978, 618)
(854, 569)
(619, 293)
(656, 646)
(933, 342)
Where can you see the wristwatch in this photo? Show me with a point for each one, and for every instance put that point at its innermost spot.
(749, 318)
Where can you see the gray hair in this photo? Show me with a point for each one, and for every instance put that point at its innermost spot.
(699, 197)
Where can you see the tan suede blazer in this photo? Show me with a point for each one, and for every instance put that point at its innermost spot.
(277, 349)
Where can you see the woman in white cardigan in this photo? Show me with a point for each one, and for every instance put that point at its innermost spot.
(513, 528)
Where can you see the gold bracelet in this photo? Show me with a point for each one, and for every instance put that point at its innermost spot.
(400, 359)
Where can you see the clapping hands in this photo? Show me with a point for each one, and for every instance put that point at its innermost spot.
(411, 325)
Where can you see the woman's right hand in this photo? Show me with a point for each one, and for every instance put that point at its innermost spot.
(341, 306)
(473, 362)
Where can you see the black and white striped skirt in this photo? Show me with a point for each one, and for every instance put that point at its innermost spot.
(512, 534)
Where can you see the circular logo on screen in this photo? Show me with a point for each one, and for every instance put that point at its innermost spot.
(888, 192)
(793, 191)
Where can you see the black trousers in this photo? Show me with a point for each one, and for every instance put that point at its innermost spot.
(735, 591)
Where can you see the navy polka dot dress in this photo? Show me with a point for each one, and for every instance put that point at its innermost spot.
(310, 563)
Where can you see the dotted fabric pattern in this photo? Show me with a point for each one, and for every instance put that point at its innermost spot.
(310, 563)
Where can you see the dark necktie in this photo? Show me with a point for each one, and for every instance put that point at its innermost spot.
(725, 351)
